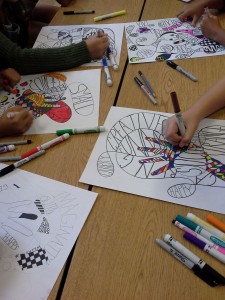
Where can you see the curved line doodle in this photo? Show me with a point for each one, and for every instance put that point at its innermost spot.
(138, 147)
(160, 40)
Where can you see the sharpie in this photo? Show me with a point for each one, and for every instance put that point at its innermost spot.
(204, 246)
(187, 262)
(46, 145)
(216, 222)
(179, 69)
(148, 94)
(107, 74)
(83, 130)
(209, 271)
(206, 226)
(147, 83)
(24, 142)
(200, 230)
(7, 148)
(178, 115)
(78, 12)
(111, 15)
(200, 237)
(12, 167)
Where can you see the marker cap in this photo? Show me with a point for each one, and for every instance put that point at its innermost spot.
(186, 222)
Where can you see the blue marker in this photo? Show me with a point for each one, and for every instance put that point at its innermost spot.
(106, 70)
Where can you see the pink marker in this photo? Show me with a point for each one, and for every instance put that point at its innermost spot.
(203, 239)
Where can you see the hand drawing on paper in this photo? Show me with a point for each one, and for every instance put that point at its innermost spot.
(67, 36)
(137, 146)
(160, 40)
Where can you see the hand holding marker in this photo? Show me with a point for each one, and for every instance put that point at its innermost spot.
(105, 65)
(177, 112)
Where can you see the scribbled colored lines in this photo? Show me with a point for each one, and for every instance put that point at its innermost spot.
(153, 160)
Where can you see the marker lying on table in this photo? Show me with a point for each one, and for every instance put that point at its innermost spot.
(82, 130)
(200, 237)
(6, 148)
(111, 15)
(176, 107)
(148, 94)
(216, 222)
(78, 12)
(10, 158)
(206, 226)
(47, 145)
(204, 246)
(187, 262)
(24, 142)
(147, 83)
(200, 230)
(12, 167)
(208, 271)
(179, 69)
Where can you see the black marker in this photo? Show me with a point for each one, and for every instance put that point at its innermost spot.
(78, 12)
(179, 69)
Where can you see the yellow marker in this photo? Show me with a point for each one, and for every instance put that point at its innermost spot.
(114, 14)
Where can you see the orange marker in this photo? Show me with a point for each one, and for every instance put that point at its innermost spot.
(217, 223)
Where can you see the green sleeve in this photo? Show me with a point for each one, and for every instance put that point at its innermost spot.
(38, 60)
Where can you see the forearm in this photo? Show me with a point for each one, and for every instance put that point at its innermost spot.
(210, 102)
(28, 61)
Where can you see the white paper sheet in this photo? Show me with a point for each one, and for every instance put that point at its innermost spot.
(167, 39)
(40, 220)
(59, 100)
(132, 156)
(60, 36)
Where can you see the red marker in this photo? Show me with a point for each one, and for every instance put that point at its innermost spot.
(47, 145)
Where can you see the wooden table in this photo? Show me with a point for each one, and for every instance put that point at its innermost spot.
(115, 256)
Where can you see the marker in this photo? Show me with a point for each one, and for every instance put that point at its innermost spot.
(107, 74)
(216, 222)
(200, 230)
(148, 94)
(78, 12)
(12, 167)
(10, 158)
(204, 246)
(46, 145)
(112, 59)
(188, 263)
(147, 83)
(209, 271)
(111, 15)
(200, 237)
(7, 148)
(16, 143)
(83, 130)
(179, 69)
(178, 115)
(206, 226)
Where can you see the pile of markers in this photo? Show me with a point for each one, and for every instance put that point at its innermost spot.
(10, 146)
(208, 236)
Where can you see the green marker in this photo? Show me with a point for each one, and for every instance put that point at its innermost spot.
(82, 130)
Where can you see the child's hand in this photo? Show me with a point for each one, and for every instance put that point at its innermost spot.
(194, 10)
(15, 121)
(97, 45)
(172, 133)
(9, 78)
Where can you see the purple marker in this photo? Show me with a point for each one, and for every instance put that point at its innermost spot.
(205, 247)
